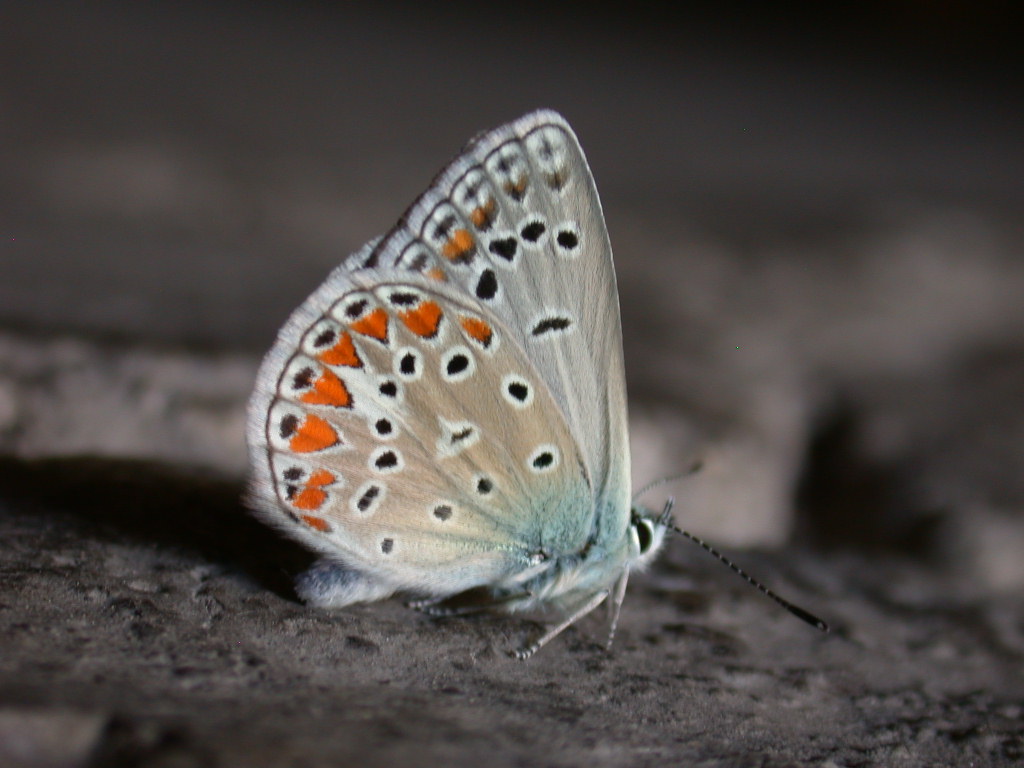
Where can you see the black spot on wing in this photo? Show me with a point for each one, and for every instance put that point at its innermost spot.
(550, 324)
(487, 285)
(504, 247)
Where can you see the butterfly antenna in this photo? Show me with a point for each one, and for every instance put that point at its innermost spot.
(800, 613)
(694, 469)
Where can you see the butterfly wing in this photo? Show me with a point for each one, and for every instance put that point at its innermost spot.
(448, 409)
(516, 222)
(407, 436)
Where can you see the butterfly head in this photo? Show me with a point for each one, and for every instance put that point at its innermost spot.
(646, 535)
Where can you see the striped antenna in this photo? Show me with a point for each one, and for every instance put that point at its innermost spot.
(665, 519)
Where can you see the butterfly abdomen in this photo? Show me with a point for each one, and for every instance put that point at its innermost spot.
(330, 585)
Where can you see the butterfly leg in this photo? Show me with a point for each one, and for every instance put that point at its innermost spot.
(426, 603)
(532, 648)
(615, 605)
(464, 604)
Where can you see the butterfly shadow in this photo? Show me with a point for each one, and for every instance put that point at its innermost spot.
(189, 510)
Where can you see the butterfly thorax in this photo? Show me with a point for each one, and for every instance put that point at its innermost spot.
(566, 580)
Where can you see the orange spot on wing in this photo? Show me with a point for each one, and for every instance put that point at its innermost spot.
(556, 179)
(316, 522)
(477, 329)
(483, 215)
(309, 498)
(328, 390)
(458, 246)
(436, 273)
(342, 353)
(315, 434)
(312, 496)
(516, 189)
(374, 324)
(423, 320)
(321, 477)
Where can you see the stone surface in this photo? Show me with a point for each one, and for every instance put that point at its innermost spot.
(821, 280)
(150, 600)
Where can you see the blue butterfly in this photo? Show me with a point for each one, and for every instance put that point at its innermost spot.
(447, 412)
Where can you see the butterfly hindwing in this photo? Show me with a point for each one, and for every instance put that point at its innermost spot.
(411, 439)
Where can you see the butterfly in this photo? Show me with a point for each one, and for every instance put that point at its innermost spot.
(446, 414)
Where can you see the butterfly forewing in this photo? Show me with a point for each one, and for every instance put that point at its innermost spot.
(516, 223)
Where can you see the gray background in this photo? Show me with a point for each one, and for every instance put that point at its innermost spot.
(816, 220)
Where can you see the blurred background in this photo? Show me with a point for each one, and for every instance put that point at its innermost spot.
(815, 213)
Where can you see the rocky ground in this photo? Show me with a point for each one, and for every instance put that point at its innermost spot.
(821, 273)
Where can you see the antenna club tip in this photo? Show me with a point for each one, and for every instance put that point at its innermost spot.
(808, 617)
(800, 613)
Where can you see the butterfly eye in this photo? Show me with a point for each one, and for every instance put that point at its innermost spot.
(644, 534)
